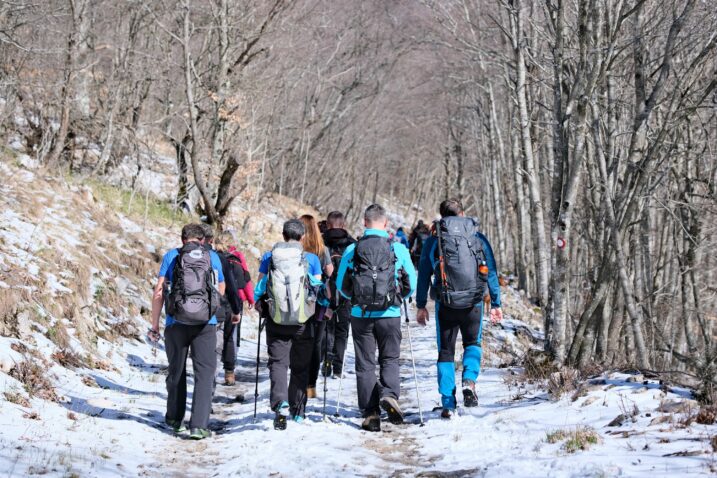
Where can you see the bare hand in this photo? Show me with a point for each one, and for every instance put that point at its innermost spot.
(153, 335)
(496, 315)
(236, 318)
(422, 316)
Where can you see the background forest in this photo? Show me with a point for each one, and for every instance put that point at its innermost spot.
(582, 133)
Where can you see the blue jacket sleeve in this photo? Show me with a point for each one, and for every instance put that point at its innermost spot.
(493, 285)
(425, 272)
(403, 261)
(347, 264)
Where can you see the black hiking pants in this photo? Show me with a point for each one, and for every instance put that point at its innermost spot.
(226, 346)
(318, 351)
(339, 332)
(385, 335)
(202, 340)
(289, 346)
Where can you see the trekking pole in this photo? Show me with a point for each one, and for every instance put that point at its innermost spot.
(341, 378)
(413, 361)
(256, 380)
(326, 356)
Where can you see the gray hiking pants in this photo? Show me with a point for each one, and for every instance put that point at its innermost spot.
(289, 346)
(202, 339)
(370, 334)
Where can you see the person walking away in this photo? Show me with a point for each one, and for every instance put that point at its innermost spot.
(246, 294)
(461, 262)
(376, 275)
(337, 239)
(401, 237)
(287, 294)
(231, 306)
(418, 237)
(186, 288)
(314, 243)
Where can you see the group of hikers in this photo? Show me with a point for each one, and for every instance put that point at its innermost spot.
(313, 288)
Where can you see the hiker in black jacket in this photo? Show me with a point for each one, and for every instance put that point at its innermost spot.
(337, 239)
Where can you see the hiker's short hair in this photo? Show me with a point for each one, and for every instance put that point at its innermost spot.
(293, 230)
(450, 207)
(374, 213)
(335, 220)
(192, 231)
(208, 230)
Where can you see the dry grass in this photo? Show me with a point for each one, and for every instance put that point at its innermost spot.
(34, 380)
(538, 365)
(17, 398)
(707, 415)
(11, 301)
(574, 440)
(562, 382)
(68, 358)
(58, 335)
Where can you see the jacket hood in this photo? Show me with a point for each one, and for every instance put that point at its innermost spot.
(338, 238)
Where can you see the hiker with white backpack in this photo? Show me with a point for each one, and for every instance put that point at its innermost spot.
(287, 291)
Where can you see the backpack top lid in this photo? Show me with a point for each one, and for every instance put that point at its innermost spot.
(283, 251)
(460, 225)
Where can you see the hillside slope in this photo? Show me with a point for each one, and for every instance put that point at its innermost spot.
(83, 392)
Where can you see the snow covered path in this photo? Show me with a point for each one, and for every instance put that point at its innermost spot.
(114, 428)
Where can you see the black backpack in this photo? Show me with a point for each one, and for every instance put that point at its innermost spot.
(461, 267)
(192, 297)
(374, 275)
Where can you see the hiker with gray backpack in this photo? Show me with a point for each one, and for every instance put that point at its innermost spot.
(287, 292)
(460, 260)
(189, 290)
(377, 275)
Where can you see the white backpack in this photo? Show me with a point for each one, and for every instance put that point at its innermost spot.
(291, 298)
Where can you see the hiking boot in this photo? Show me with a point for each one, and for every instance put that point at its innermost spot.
(390, 404)
(446, 413)
(200, 433)
(372, 422)
(176, 425)
(229, 378)
(470, 399)
(326, 369)
(279, 421)
(311, 392)
(298, 419)
(282, 413)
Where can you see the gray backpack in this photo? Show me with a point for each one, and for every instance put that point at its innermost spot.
(461, 269)
(192, 299)
(291, 299)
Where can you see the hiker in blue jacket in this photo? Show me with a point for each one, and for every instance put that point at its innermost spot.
(469, 320)
(377, 274)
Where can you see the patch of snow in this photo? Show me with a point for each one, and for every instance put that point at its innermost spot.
(54, 285)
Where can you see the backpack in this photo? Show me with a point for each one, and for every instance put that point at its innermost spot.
(192, 298)
(241, 276)
(291, 299)
(374, 275)
(461, 267)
